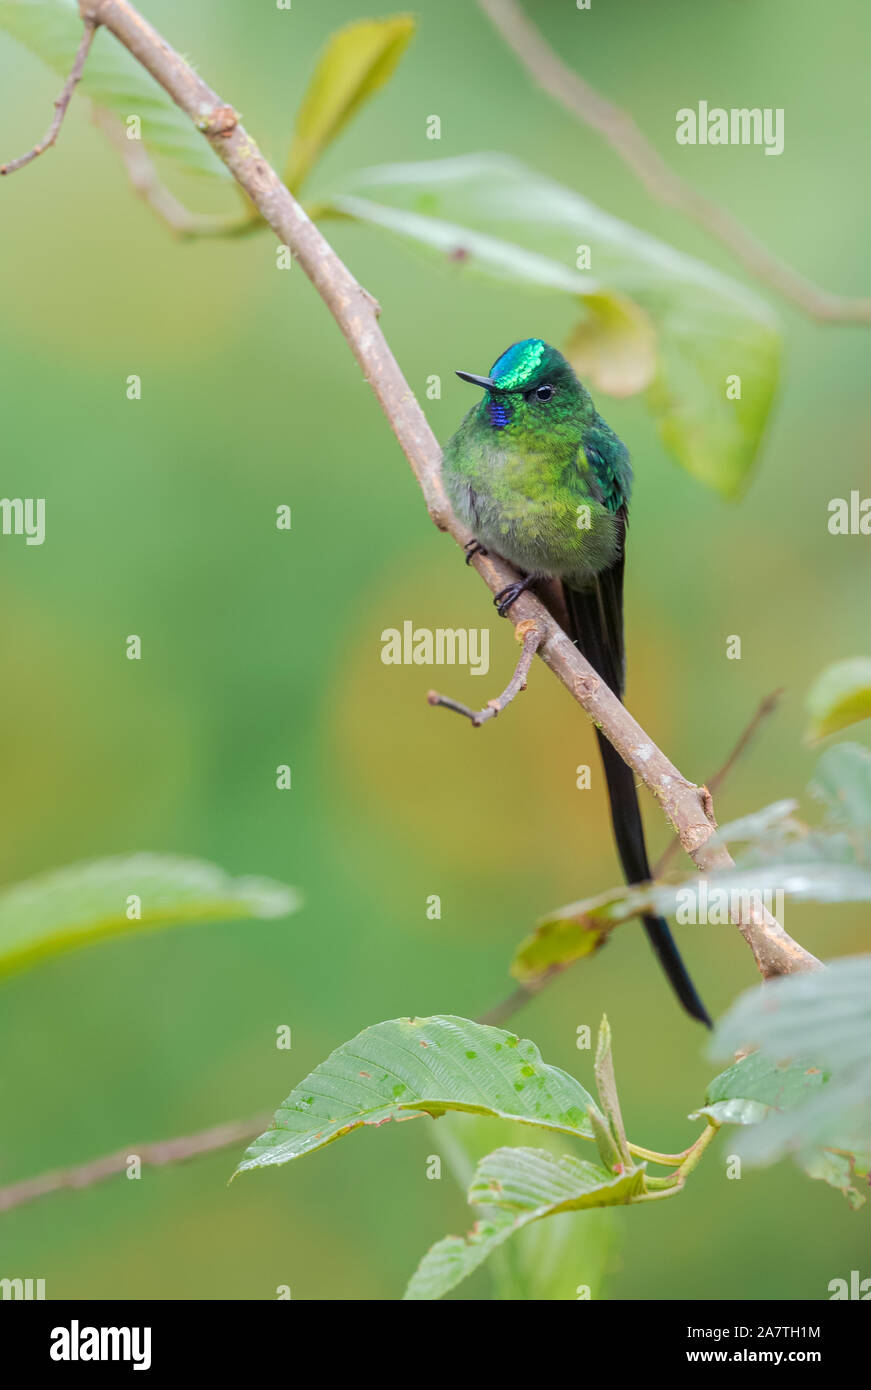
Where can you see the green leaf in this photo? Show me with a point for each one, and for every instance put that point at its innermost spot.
(567, 934)
(824, 1016)
(820, 1014)
(535, 1183)
(749, 1090)
(842, 781)
(757, 1087)
(840, 1171)
(357, 61)
(453, 1259)
(549, 1259)
(605, 1142)
(840, 696)
(614, 346)
(759, 826)
(708, 327)
(615, 339)
(411, 1066)
(606, 1084)
(481, 253)
(52, 30)
(517, 1187)
(561, 1259)
(86, 902)
(820, 869)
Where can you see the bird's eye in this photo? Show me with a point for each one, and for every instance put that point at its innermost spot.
(544, 393)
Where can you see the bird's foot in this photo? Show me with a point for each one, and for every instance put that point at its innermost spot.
(473, 548)
(511, 594)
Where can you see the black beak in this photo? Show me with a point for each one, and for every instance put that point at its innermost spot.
(484, 381)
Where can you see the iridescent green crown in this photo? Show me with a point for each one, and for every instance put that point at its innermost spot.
(518, 364)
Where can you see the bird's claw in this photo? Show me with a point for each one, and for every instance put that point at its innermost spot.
(509, 595)
(473, 548)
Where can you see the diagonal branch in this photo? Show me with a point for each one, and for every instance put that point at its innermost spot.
(61, 104)
(632, 145)
(687, 806)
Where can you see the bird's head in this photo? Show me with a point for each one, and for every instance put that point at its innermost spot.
(530, 387)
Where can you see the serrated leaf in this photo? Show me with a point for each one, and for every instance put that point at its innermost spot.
(517, 1187)
(825, 1017)
(549, 1259)
(453, 1259)
(356, 62)
(407, 1067)
(86, 902)
(840, 696)
(750, 1089)
(710, 329)
(534, 1182)
(112, 78)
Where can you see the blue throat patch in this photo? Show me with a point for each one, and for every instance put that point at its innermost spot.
(499, 414)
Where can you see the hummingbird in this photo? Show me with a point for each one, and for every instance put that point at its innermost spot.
(540, 478)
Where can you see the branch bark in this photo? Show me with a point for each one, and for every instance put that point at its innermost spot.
(617, 127)
(687, 806)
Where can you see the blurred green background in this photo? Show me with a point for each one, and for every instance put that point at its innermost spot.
(263, 647)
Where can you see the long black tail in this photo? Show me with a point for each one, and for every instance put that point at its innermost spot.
(629, 835)
(597, 626)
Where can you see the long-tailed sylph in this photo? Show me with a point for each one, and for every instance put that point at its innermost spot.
(542, 480)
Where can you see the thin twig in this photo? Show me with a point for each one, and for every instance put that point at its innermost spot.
(60, 106)
(144, 180)
(766, 708)
(508, 1007)
(624, 136)
(529, 634)
(686, 805)
(150, 1155)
